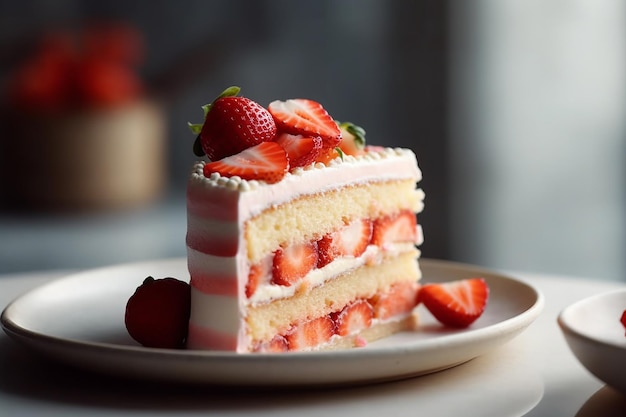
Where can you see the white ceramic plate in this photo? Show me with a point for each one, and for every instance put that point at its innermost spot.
(80, 320)
(595, 335)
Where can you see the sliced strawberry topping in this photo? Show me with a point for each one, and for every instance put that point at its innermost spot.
(456, 303)
(350, 240)
(293, 262)
(394, 228)
(401, 298)
(311, 333)
(354, 317)
(260, 273)
(305, 117)
(266, 161)
(302, 150)
(277, 344)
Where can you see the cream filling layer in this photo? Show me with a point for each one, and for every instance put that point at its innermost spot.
(316, 277)
(221, 313)
(218, 267)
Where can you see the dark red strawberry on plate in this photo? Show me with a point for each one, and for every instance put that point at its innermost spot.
(157, 314)
(455, 303)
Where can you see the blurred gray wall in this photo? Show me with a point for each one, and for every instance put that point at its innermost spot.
(538, 138)
(380, 64)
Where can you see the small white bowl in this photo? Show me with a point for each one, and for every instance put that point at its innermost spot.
(595, 335)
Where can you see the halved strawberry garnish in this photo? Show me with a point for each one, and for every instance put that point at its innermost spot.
(293, 262)
(395, 228)
(622, 319)
(311, 333)
(456, 303)
(401, 298)
(305, 117)
(350, 240)
(266, 161)
(354, 317)
(301, 150)
(260, 273)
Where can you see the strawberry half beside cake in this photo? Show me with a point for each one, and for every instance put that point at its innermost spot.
(303, 238)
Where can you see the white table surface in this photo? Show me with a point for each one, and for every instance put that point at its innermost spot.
(535, 374)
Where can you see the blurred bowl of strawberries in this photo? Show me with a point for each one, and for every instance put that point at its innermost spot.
(80, 131)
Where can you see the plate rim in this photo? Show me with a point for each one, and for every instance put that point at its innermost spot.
(511, 326)
(566, 325)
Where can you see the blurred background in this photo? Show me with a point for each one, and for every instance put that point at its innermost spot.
(515, 109)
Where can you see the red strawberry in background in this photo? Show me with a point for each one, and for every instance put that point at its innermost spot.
(233, 124)
(157, 314)
(95, 67)
(455, 303)
(100, 82)
(307, 118)
(43, 81)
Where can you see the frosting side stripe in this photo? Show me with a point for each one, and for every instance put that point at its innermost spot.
(205, 338)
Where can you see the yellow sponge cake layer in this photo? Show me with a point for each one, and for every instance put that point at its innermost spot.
(267, 320)
(309, 217)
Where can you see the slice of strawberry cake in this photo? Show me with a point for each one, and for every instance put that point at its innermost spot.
(299, 236)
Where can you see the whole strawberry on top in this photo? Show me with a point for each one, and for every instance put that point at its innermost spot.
(233, 124)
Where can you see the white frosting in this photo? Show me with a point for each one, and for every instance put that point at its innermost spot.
(256, 196)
